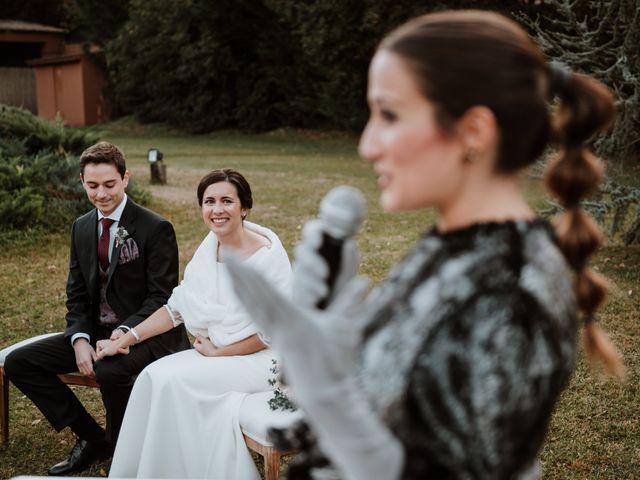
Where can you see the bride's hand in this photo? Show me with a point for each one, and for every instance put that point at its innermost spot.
(108, 348)
(204, 346)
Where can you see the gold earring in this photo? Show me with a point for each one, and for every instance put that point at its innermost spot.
(470, 156)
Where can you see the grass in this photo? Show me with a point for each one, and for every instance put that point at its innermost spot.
(595, 431)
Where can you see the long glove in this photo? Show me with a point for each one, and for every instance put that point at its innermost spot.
(316, 363)
(310, 271)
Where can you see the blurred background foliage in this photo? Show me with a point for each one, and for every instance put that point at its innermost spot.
(259, 65)
(251, 64)
(262, 65)
(40, 187)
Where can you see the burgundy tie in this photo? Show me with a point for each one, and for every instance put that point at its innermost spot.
(103, 244)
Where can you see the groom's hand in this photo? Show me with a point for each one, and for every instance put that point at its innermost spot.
(85, 356)
(109, 348)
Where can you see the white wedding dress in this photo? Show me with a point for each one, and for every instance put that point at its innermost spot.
(182, 419)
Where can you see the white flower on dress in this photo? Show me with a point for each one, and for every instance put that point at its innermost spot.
(121, 236)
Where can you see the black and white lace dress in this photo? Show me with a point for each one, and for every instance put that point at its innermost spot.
(466, 348)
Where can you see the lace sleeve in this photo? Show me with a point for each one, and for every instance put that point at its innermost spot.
(176, 318)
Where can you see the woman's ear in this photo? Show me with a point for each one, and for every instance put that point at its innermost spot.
(478, 130)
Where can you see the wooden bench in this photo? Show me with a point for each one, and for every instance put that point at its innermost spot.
(255, 419)
(255, 415)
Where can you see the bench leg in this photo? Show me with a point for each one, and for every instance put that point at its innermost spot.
(4, 408)
(271, 464)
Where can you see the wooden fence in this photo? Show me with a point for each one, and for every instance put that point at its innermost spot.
(18, 87)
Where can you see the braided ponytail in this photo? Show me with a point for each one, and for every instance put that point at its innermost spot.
(586, 107)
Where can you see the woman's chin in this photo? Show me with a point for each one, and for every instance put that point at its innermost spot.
(389, 202)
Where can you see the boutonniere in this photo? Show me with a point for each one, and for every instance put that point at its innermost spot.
(121, 236)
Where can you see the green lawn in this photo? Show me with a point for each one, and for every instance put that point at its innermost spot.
(595, 432)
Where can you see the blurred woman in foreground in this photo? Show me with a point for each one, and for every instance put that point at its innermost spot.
(451, 368)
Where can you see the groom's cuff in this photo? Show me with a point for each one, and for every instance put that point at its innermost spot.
(76, 336)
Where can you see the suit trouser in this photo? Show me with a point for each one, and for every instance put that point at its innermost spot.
(33, 369)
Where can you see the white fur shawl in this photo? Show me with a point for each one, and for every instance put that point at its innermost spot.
(205, 299)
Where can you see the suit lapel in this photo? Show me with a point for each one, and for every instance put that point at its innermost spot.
(127, 222)
(88, 235)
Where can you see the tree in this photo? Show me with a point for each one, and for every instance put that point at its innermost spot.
(253, 64)
(600, 39)
(202, 65)
(46, 12)
(96, 21)
(39, 168)
(337, 40)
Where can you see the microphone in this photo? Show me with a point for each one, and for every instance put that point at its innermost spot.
(342, 210)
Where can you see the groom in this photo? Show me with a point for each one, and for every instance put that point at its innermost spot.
(123, 267)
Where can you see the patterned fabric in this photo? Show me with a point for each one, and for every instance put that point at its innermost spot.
(107, 315)
(129, 251)
(466, 348)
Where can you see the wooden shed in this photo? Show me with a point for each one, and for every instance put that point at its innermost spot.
(19, 43)
(48, 76)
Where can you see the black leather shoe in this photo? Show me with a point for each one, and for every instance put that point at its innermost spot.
(82, 455)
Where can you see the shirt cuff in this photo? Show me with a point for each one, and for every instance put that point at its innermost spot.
(76, 336)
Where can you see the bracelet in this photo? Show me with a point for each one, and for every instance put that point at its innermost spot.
(135, 334)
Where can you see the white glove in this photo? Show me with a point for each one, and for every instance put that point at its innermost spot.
(316, 349)
(310, 270)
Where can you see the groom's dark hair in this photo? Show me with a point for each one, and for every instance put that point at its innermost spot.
(104, 152)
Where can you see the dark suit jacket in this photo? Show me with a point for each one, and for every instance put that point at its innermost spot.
(142, 273)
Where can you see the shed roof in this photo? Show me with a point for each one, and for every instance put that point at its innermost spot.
(20, 26)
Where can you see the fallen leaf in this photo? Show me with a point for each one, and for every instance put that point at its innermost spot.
(36, 421)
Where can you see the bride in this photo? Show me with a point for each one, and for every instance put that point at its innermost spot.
(182, 416)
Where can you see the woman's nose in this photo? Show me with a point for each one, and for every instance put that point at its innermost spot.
(368, 147)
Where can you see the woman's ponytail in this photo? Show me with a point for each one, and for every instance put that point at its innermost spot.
(585, 107)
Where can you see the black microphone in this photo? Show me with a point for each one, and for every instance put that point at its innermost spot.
(342, 210)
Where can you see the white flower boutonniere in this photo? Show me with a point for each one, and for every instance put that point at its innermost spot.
(121, 236)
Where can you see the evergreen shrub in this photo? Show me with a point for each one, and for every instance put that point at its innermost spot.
(39, 172)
